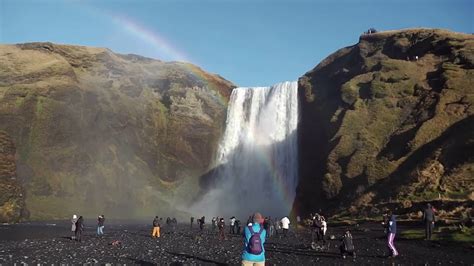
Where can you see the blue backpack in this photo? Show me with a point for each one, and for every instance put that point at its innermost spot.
(255, 242)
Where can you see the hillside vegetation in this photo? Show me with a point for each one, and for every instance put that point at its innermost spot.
(98, 132)
(388, 123)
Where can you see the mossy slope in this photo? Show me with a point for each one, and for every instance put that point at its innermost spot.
(99, 132)
(378, 125)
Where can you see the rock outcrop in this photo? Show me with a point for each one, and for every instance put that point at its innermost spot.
(99, 132)
(12, 202)
(387, 121)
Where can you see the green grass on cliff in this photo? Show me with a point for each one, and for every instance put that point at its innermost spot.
(445, 233)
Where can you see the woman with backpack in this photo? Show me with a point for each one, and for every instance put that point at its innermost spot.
(254, 238)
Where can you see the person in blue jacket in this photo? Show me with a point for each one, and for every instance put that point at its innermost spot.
(392, 231)
(254, 238)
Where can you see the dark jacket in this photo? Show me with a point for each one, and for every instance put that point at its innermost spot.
(392, 225)
(80, 224)
(428, 215)
(156, 222)
(346, 242)
(101, 221)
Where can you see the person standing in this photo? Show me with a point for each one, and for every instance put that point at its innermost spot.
(429, 220)
(392, 231)
(73, 226)
(272, 227)
(156, 227)
(231, 225)
(237, 226)
(192, 221)
(100, 225)
(285, 225)
(201, 223)
(254, 240)
(221, 227)
(79, 228)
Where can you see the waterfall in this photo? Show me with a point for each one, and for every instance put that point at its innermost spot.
(256, 162)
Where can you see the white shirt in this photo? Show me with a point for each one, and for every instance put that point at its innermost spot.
(285, 223)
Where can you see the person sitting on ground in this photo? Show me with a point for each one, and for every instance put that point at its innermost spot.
(254, 240)
(429, 220)
(347, 245)
(156, 227)
(73, 226)
(285, 225)
(221, 226)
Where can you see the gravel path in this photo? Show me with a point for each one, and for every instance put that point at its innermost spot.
(40, 243)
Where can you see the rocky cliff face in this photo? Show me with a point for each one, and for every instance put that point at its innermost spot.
(388, 122)
(100, 132)
(12, 202)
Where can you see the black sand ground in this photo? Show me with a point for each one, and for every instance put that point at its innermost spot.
(47, 243)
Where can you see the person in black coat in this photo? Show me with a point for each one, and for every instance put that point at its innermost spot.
(79, 228)
(429, 220)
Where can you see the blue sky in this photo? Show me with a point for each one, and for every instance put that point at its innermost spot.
(251, 43)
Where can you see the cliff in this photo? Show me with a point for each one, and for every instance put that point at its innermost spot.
(387, 123)
(100, 132)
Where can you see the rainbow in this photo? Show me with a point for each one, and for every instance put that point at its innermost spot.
(151, 37)
(164, 48)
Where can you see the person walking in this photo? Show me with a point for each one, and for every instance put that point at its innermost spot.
(156, 227)
(254, 240)
(392, 231)
(285, 225)
(79, 228)
(429, 220)
(73, 226)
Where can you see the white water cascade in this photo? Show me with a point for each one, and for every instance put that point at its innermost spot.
(256, 162)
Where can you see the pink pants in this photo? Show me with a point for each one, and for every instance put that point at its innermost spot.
(391, 236)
